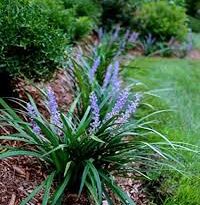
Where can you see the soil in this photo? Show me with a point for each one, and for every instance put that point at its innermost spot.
(20, 175)
(61, 84)
(194, 54)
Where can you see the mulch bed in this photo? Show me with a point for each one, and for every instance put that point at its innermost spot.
(18, 177)
(194, 55)
(61, 84)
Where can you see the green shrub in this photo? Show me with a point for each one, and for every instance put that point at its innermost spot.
(193, 6)
(76, 19)
(117, 11)
(194, 24)
(162, 20)
(30, 45)
(35, 33)
(176, 2)
(80, 27)
(89, 8)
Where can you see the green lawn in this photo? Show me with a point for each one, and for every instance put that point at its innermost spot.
(196, 40)
(178, 83)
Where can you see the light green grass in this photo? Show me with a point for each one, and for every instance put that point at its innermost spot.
(178, 83)
(196, 40)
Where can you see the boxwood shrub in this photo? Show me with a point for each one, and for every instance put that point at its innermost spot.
(30, 45)
(35, 33)
(162, 19)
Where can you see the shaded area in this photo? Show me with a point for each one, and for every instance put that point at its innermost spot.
(6, 87)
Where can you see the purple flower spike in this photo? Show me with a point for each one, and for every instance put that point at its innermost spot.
(95, 113)
(107, 76)
(79, 55)
(126, 34)
(115, 77)
(53, 108)
(133, 37)
(94, 69)
(120, 103)
(100, 33)
(32, 114)
(116, 33)
(150, 40)
(189, 45)
(130, 110)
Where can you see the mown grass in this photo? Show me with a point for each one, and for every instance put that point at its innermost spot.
(177, 82)
(196, 40)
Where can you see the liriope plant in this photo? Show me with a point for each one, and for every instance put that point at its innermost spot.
(98, 139)
(108, 48)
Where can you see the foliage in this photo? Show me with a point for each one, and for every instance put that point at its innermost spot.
(117, 11)
(89, 8)
(82, 26)
(87, 151)
(193, 6)
(148, 44)
(178, 2)
(29, 44)
(151, 47)
(107, 49)
(163, 20)
(194, 24)
(34, 34)
(76, 20)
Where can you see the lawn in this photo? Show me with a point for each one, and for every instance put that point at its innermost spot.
(196, 40)
(177, 82)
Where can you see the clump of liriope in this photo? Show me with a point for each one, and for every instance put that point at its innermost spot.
(87, 151)
(108, 48)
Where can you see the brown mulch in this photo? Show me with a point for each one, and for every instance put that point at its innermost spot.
(135, 189)
(61, 84)
(18, 177)
(194, 54)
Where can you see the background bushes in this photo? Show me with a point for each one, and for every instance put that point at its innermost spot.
(29, 43)
(34, 34)
(162, 20)
(117, 11)
(192, 7)
(76, 18)
(193, 10)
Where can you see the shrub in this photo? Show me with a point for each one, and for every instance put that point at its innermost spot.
(194, 24)
(193, 6)
(117, 12)
(176, 2)
(34, 34)
(29, 44)
(89, 8)
(81, 27)
(75, 19)
(163, 20)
